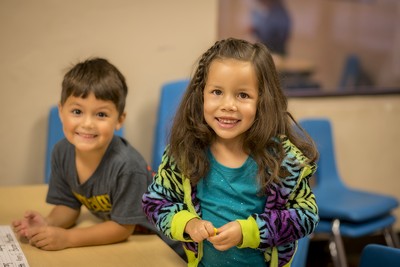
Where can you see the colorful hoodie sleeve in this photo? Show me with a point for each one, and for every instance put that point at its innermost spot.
(164, 203)
(290, 213)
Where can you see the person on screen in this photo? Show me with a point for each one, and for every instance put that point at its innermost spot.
(272, 25)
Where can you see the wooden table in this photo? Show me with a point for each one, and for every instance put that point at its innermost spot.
(139, 250)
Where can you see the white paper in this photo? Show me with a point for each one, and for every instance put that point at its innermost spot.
(11, 254)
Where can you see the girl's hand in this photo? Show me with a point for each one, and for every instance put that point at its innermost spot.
(229, 235)
(198, 230)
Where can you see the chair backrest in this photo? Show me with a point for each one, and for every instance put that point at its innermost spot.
(351, 72)
(354, 75)
(54, 134)
(320, 130)
(171, 95)
(374, 255)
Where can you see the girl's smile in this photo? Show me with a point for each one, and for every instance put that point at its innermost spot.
(227, 122)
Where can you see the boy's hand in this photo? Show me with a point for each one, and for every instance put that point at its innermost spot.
(30, 219)
(229, 235)
(199, 229)
(48, 237)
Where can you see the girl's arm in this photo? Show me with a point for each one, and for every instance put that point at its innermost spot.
(276, 230)
(291, 211)
(163, 203)
(283, 225)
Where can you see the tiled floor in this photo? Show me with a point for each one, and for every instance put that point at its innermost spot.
(318, 254)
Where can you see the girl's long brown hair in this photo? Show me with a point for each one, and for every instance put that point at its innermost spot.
(191, 136)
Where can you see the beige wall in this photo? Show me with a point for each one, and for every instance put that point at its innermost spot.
(149, 41)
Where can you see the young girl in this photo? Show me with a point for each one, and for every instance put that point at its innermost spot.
(233, 183)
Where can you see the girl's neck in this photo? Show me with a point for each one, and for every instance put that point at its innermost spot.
(229, 154)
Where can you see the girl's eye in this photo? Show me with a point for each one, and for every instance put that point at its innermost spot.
(217, 92)
(102, 114)
(76, 112)
(243, 95)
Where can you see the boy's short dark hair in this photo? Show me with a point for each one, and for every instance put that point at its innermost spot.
(97, 76)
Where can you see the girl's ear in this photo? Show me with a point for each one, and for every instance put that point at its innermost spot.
(121, 121)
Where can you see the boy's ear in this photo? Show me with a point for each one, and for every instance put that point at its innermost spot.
(121, 121)
(59, 111)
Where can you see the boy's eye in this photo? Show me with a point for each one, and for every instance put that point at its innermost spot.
(76, 112)
(243, 95)
(102, 114)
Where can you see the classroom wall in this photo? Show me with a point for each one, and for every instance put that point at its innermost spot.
(150, 41)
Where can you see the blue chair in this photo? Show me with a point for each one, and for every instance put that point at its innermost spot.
(300, 258)
(345, 211)
(54, 134)
(374, 255)
(171, 95)
(353, 75)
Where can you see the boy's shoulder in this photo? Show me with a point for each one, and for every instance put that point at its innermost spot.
(63, 148)
(120, 151)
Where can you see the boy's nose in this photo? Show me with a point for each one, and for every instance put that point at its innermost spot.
(88, 121)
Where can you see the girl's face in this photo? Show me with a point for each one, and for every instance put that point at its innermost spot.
(89, 123)
(230, 98)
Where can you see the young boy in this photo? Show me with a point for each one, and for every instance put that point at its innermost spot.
(91, 166)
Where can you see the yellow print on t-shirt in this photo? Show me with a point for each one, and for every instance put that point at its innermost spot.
(95, 203)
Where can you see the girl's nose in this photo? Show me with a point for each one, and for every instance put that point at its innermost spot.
(229, 104)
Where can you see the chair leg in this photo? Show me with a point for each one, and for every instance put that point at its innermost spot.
(336, 246)
(391, 238)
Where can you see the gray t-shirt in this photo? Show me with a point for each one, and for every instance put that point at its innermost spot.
(113, 192)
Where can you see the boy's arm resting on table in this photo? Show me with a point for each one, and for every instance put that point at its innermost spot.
(103, 233)
(57, 234)
(57, 238)
(62, 216)
(98, 234)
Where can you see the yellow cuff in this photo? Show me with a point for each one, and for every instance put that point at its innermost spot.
(250, 232)
(178, 224)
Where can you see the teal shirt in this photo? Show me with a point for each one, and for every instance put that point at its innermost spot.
(227, 194)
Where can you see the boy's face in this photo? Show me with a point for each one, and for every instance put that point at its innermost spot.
(89, 123)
